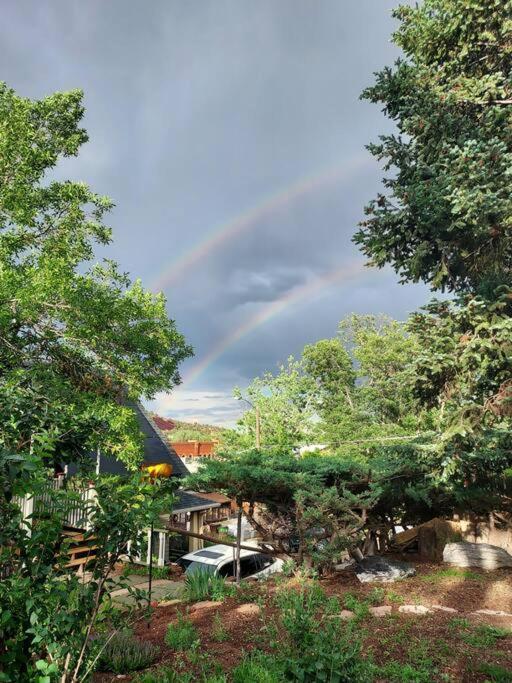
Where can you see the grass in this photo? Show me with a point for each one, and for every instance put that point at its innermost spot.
(143, 570)
(123, 654)
(258, 668)
(182, 635)
(219, 632)
(452, 573)
(496, 673)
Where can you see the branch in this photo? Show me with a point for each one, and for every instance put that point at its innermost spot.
(212, 539)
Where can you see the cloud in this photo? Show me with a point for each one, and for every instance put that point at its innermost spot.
(218, 408)
(197, 113)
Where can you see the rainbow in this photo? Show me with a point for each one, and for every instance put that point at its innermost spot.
(271, 310)
(252, 216)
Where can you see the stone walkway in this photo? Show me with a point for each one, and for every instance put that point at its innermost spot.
(162, 590)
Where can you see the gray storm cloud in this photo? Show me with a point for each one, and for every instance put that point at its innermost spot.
(198, 111)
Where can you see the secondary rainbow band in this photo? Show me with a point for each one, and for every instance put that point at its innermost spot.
(268, 312)
(252, 216)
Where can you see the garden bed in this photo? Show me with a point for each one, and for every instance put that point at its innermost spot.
(438, 646)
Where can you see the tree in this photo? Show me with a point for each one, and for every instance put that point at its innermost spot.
(363, 381)
(76, 341)
(48, 612)
(75, 338)
(307, 508)
(445, 217)
(283, 401)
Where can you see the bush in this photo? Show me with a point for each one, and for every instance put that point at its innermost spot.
(182, 635)
(164, 675)
(123, 653)
(202, 585)
(258, 668)
(318, 648)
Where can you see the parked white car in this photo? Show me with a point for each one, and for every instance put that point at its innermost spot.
(220, 560)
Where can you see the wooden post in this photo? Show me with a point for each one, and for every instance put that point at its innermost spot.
(161, 548)
(238, 540)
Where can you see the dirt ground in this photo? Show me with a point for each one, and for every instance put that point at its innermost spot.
(440, 637)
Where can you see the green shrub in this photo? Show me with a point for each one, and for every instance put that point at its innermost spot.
(123, 653)
(219, 632)
(202, 585)
(359, 607)
(496, 673)
(376, 596)
(318, 649)
(258, 668)
(182, 635)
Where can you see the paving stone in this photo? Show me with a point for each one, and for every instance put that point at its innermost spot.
(493, 613)
(442, 608)
(169, 603)
(205, 604)
(381, 611)
(414, 609)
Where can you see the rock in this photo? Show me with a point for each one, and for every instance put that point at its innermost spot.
(205, 604)
(493, 613)
(481, 555)
(381, 611)
(442, 608)
(248, 609)
(344, 614)
(169, 603)
(414, 609)
(381, 570)
(346, 564)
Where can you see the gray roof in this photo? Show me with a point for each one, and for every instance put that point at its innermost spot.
(188, 500)
(156, 448)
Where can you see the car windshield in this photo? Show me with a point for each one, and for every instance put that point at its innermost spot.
(194, 567)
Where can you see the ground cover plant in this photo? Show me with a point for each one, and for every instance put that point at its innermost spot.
(122, 653)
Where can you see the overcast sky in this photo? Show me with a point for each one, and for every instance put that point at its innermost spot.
(230, 135)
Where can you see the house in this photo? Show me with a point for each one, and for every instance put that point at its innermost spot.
(163, 423)
(190, 509)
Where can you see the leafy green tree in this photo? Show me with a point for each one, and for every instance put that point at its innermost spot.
(76, 341)
(383, 350)
(75, 338)
(445, 217)
(285, 410)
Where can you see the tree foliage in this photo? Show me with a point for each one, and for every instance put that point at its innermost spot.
(445, 217)
(356, 386)
(75, 337)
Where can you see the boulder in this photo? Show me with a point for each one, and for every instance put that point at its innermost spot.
(377, 569)
(480, 555)
(205, 604)
(248, 609)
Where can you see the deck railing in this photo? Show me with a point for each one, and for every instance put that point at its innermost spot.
(78, 515)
